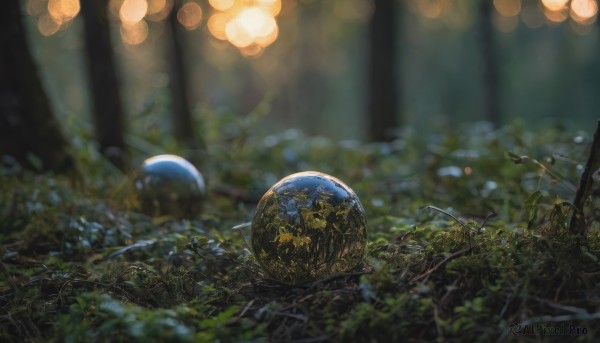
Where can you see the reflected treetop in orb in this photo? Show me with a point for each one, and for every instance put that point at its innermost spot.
(309, 226)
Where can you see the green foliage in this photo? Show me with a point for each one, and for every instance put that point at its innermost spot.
(78, 262)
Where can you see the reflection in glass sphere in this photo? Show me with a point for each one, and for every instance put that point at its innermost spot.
(309, 226)
(169, 185)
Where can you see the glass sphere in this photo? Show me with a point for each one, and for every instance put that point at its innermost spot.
(169, 185)
(309, 226)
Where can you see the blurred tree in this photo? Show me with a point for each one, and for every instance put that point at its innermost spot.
(383, 91)
(109, 117)
(310, 86)
(27, 124)
(490, 62)
(183, 125)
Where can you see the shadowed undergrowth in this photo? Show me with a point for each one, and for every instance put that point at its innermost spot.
(78, 262)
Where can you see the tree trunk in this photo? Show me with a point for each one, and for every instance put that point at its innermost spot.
(109, 117)
(183, 125)
(382, 101)
(577, 224)
(27, 124)
(490, 63)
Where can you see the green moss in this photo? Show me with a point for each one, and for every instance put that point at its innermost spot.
(78, 265)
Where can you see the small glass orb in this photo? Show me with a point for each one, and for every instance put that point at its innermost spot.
(309, 226)
(169, 185)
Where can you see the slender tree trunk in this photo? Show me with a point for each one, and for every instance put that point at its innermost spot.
(577, 224)
(383, 91)
(109, 117)
(27, 124)
(183, 125)
(309, 92)
(490, 62)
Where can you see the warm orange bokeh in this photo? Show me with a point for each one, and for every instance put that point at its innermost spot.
(36, 7)
(190, 15)
(47, 25)
(273, 7)
(557, 16)
(158, 10)
(134, 29)
(508, 8)
(432, 9)
(584, 11)
(133, 11)
(63, 10)
(134, 34)
(221, 5)
(249, 25)
(555, 5)
(52, 15)
(217, 24)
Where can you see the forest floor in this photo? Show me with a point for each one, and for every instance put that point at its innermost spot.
(79, 263)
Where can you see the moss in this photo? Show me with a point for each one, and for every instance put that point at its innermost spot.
(78, 265)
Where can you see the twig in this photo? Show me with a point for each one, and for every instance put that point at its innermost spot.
(239, 228)
(334, 277)
(561, 318)
(437, 266)
(492, 214)
(292, 315)
(245, 309)
(572, 309)
(577, 224)
(430, 207)
(567, 185)
(457, 220)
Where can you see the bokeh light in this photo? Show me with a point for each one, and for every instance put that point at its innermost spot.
(508, 8)
(36, 7)
(158, 10)
(268, 39)
(190, 15)
(250, 26)
(584, 11)
(114, 7)
(252, 51)
(221, 5)
(557, 16)
(431, 9)
(273, 7)
(46, 25)
(134, 34)
(63, 10)
(237, 35)
(217, 24)
(554, 5)
(133, 11)
(52, 15)
(453, 14)
(134, 29)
